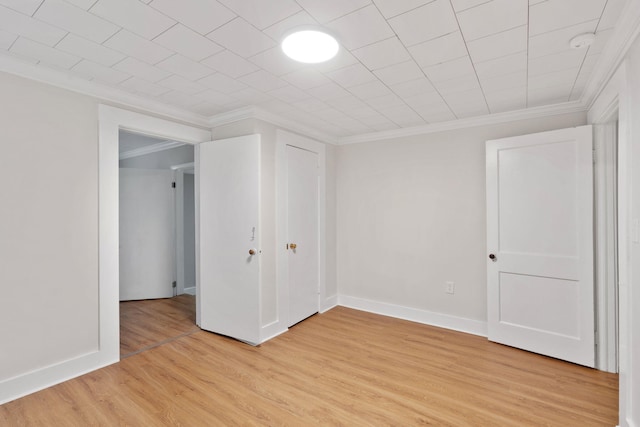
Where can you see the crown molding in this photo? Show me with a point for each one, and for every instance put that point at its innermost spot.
(103, 92)
(142, 151)
(490, 119)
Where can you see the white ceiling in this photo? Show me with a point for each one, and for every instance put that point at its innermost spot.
(403, 63)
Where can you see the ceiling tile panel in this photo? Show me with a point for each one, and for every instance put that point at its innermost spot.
(17, 23)
(138, 47)
(99, 73)
(351, 76)
(181, 99)
(7, 39)
(558, 40)
(84, 4)
(564, 78)
(89, 50)
(27, 7)
(141, 69)
(602, 38)
(242, 38)
(144, 87)
(278, 30)
(347, 103)
(328, 10)
(328, 91)
(506, 100)
(178, 64)
(548, 96)
(221, 83)
(262, 13)
(275, 61)
(556, 62)
(370, 90)
(460, 5)
(391, 8)
(399, 73)
(611, 14)
(507, 81)
(467, 104)
(44, 53)
(134, 16)
(449, 70)
(230, 64)
(343, 59)
(555, 14)
(310, 105)
(76, 20)
(492, 17)
(214, 97)
(181, 84)
(499, 45)
(501, 66)
(202, 16)
(262, 80)
(385, 101)
(425, 23)
(306, 78)
(289, 94)
(402, 115)
(382, 54)
(462, 83)
(187, 42)
(413, 87)
(360, 28)
(439, 50)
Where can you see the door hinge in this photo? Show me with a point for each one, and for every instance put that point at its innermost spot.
(173, 184)
(174, 284)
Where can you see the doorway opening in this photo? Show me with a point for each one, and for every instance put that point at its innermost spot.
(157, 278)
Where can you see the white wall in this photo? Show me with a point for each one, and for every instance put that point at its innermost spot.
(48, 227)
(189, 231)
(411, 215)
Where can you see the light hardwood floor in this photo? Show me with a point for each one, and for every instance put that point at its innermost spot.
(344, 367)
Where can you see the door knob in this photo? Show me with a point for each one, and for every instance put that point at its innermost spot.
(291, 246)
(252, 251)
(493, 258)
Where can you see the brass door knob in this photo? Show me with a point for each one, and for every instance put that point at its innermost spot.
(252, 251)
(292, 246)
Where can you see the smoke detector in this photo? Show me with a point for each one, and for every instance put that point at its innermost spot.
(582, 41)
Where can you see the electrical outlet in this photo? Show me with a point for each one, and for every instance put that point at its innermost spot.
(450, 287)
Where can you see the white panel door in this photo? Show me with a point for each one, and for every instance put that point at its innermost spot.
(228, 182)
(540, 243)
(302, 231)
(147, 234)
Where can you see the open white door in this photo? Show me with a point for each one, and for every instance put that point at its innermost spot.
(228, 182)
(540, 243)
(147, 245)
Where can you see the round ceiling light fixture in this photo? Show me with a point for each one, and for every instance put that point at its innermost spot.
(582, 40)
(310, 46)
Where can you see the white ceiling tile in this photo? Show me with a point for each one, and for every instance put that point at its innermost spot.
(413, 87)
(564, 78)
(380, 126)
(363, 114)
(460, 5)
(138, 85)
(402, 115)
(207, 109)
(382, 54)
(289, 93)
(507, 81)
(438, 50)
(7, 39)
(554, 14)
(533, 2)
(278, 30)
(89, 50)
(556, 62)
(276, 106)
(462, 83)
(138, 47)
(181, 84)
(420, 102)
(22, 25)
(141, 69)
(242, 38)
(250, 95)
(370, 90)
(310, 105)
(18, 57)
(343, 58)
(347, 103)
(493, 17)
(23, 6)
(275, 61)
(187, 42)
(611, 14)
(133, 15)
(180, 99)
(328, 91)
(351, 76)
(306, 78)
(435, 110)
(505, 100)
(501, 66)
(449, 70)
(178, 64)
(361, 28)
(330, 114)
(221, 83)
(262, 13)
(214, 97)
(385, 101)
(99, 73)
(44, 53)
(391, 8)
(202, 16)
(602, 38)
(558, 40)
(84, 4)
(328, 10)
(230, 64)
(76, 20)
(262, 80)
(589, 64)
(548, 96)
(499, 45)
(399, 73)
(425, 23)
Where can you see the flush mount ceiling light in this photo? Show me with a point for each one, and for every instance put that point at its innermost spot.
(310, 46)
(582, 40)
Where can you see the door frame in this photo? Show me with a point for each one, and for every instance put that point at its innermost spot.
(110, 121)
(283, 139)
(179, 172)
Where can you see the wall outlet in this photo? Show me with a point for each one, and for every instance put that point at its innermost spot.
(450, 287)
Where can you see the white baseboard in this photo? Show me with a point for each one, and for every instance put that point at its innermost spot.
(328, 303)
(272, 330)
(191, 290)
(455, 323)
(31, 382)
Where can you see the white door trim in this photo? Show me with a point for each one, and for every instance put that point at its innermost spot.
(180, 170)
(283, 139)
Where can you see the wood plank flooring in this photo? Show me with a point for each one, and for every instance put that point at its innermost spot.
(343, 367)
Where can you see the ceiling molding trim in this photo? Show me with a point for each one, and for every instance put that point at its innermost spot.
(491, 119)
(624, 34)
(143, 151)
(102, 92)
